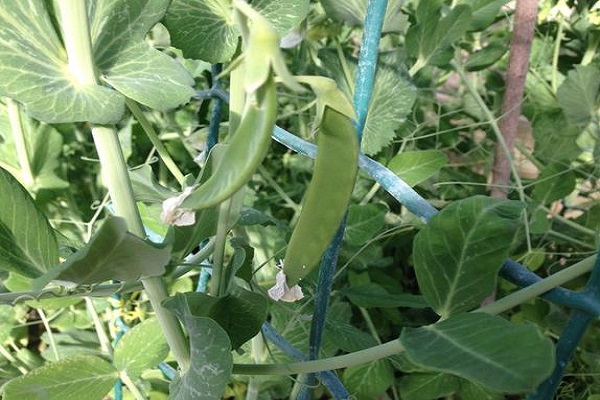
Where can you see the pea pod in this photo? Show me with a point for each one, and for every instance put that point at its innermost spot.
(244, 152)
(327, 196)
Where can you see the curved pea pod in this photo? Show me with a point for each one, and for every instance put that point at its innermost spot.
(243, 154)
(327, 196)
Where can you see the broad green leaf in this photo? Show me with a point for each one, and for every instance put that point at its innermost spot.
(353, 12)
(44, 146)
(414, 167)
(555, 138)
(28, 244)
(141, 348)
(211, 359)
(428, 386)
(349, 338)
(240, 313)
(112, 253)
(486, 57)
(431, 38)
(555, 182)
(471, 391)
(369, 380)
(363, 223)
(484, 12)
(392, 99)
(485, 349)
(85, 377)
(578, 95)
(283, 14)
(241, 262)
(373, 295)
(34, 68)
(459, 253)
(197, 26)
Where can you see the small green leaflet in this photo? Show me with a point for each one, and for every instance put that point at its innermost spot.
(579, 95)
(84, 377)
(459, 253)
(211, 359)
(142, 347)
(369, 380)
(467, 345)
(28, 243)
(413, 167)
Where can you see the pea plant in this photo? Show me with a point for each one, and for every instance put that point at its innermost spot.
(164, 232)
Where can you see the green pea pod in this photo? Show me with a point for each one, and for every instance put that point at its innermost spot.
(327, 196)
(243, 153)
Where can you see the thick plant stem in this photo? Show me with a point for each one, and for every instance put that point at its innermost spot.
(518, 62)
(76, 34)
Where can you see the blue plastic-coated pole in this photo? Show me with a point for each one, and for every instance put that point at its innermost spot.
(365, 77)
(570, 338)
(367, 61)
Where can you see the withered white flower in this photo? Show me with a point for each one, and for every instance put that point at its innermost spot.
(172, 214)
(281, 291)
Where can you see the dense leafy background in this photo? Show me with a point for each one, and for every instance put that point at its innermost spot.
(424, 124)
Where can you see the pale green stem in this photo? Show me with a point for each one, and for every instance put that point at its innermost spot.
(16, 126)
(114, 169)
(13, 361)
(137, 394)
(258, 348)
(370, 324)
(13, 298)
(539, 288)
(46, 323)
(218, 285)
(376, 186)
(105, 344)
(570, 239)
(326, 364)
(557, 43)
(152, 135)
(196, 259)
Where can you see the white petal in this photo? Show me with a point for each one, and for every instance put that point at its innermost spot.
(173, 215)
(282, 292)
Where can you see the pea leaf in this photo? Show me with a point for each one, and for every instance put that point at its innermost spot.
(416, 166)
(427, 386)
(392, 99)
(28, 244)
(458, 254)
(363, 223)
(552, 131)
(211, 359)
(467, 345)
(194, 23)
(113, 253)
(240, 313)
(369, 380)
(353, 12)
(555, 182)
(44, 146)
(40, 79)
(84, 377)
(485, 57)
(142, 347)
(374, 295)
(578, 95)
(484, 12)
(431, 38)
